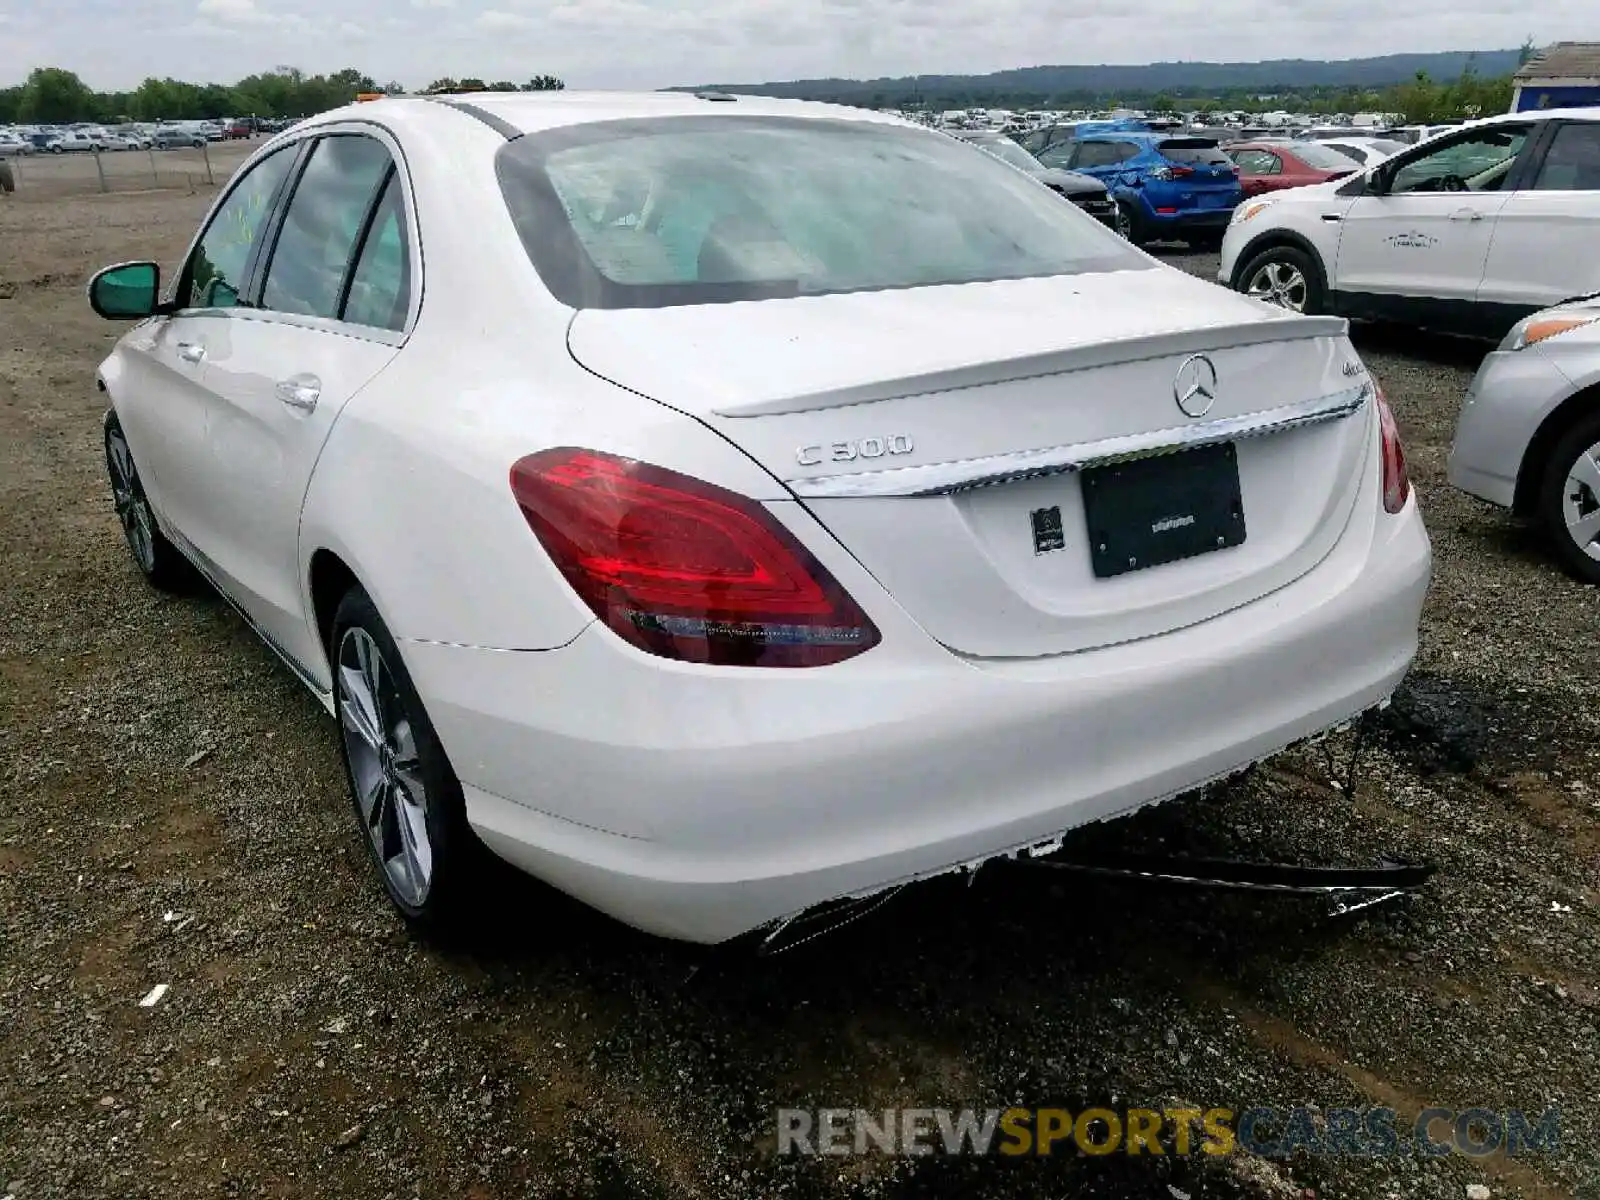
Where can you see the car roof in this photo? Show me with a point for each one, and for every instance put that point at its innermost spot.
(1540, 114)
(533, 112)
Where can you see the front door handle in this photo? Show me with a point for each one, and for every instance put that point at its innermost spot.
(191, 352)
(1466, 214)
(300, 392)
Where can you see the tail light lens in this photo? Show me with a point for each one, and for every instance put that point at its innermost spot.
(1171, 172)
(683, 568)
(1396, 483)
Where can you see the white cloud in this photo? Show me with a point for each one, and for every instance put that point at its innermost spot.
(433, 3)
(234, 12)
(496, 20)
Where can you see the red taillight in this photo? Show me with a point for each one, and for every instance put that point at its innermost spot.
(683, 568)
(1173, 172)
(1396, 483)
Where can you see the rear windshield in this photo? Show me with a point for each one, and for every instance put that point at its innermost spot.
(1193, 151)
(695, 210)
(1323, 158)
(1009, 152)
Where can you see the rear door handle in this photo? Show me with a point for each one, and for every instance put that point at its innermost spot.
(300, 392)
(191, 352)
(1466, 214)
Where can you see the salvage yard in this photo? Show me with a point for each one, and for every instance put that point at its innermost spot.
(172, 811)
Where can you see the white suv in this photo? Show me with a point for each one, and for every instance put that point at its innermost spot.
(1467, 232)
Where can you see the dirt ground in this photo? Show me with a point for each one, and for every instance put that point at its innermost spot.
(172, 812)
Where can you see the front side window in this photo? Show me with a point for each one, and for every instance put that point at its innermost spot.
(649, 213)
(326, 215)
(216, 272)
(1572, 163)
(1478, 162)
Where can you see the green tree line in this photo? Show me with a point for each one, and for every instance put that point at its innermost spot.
(52, 95)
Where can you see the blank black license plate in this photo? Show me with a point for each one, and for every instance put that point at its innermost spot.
(1150, 511)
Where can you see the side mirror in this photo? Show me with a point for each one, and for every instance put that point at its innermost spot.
(127, 291)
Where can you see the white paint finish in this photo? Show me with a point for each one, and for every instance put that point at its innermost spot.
(760, 794)
(1425, 244)
(1546, 249)
(735, 795)
(260, 454)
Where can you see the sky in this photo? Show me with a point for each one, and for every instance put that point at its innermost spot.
(113, 44)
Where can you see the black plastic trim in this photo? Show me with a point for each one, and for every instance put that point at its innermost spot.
(499, 124)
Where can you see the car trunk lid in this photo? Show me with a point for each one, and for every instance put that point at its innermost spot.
(947, 436)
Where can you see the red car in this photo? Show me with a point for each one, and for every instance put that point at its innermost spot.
(1266, 166)
(239, 129)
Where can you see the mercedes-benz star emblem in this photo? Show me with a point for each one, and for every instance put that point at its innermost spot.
(1195, 388)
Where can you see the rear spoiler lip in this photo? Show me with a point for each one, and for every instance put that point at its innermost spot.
(1138, 348)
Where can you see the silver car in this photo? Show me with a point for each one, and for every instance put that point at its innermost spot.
(1528, 437)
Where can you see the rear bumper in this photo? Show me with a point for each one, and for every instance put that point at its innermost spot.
(1187, 220)
(701, 803)
(1510, 397)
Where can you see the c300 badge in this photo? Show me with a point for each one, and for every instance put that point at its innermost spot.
(867, 447)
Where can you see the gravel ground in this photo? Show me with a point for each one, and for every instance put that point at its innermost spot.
(172, 812)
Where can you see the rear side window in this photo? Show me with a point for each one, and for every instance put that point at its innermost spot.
(687, 210)
(1324, 158)
(380, 287)
(1572, 163)
(1257, 162)
(326, 215)
(1192, 152)
(1097, 154)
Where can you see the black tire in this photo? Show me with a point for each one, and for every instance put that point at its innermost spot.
(1558, 492)
(1286, 259)
(1129, 224)
(158, 560)
(410, 758)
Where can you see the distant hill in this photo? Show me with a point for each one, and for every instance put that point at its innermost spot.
(1115, 80)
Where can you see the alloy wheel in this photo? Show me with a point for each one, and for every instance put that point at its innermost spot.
(1279, 283)
(133, 510)
(385, 770)
(1580, 502)
(1124, 224)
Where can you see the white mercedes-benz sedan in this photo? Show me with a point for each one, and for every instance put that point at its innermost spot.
(720, 507)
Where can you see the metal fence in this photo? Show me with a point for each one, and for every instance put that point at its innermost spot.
(46, 176)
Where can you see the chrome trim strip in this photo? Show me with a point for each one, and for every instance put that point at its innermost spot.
(942, 479)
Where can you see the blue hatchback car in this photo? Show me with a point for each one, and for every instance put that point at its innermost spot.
(1167, 187)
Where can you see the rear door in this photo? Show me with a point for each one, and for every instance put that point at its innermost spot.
(1546, 244)
(1417, 251)
(336, 298)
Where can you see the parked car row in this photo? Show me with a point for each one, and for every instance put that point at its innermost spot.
(88, 138)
